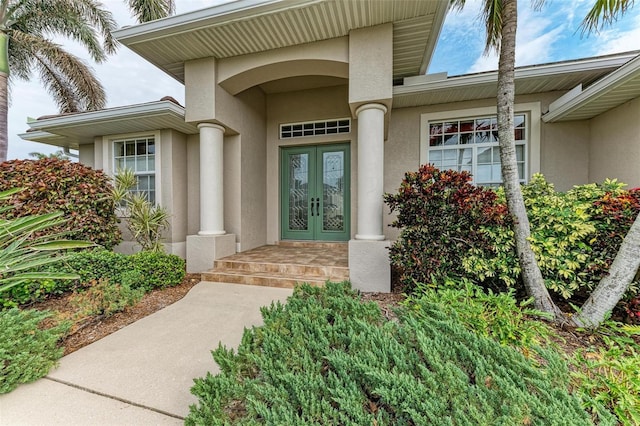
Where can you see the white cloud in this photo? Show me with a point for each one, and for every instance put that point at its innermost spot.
(616, 39)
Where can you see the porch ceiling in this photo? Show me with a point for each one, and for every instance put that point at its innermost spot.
(561, 76)
(250, 26)
(73, 130)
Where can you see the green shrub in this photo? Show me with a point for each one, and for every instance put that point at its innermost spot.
(32, 291)
(452, 230)
(158, 270)
(326, 358)
(84, 196)
(105, 298)
(146, 270)
(95, 265)
(27, 351)
(439, 213)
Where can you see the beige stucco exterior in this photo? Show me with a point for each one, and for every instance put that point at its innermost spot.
(238, 101)
(614, 148)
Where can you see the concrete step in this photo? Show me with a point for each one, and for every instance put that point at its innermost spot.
(260, 279)
(284, 265)
(283, 269)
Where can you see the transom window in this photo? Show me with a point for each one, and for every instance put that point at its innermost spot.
(314, 128)
(138, 155)
(471, 145)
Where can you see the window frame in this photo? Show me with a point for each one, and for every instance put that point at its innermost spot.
(109, 152)
(532, 137)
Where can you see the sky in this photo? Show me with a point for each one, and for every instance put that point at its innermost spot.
(549, 35)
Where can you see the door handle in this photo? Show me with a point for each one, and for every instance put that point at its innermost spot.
(318, 206)
(312, 206)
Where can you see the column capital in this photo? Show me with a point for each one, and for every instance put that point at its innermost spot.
(211, 126)
(364, 107)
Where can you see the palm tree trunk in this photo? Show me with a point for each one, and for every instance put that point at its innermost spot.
(531, 275)
(613, 286)
(4, 95)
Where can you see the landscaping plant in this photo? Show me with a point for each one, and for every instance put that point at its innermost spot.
(104, 299)
(26, 244)
(146, 221)
(451, 231)
(27, 349)
(326, 358)
(83, 195)
(607, 374)
(441, 215)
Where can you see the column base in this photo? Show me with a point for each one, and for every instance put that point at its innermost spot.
(202, 250)
(369, 266)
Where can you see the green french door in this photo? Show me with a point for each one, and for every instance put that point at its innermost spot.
(315, 192)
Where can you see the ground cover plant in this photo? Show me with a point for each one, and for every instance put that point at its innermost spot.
(327, 358)
(27, 350)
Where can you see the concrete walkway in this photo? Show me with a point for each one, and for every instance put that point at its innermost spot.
(142, 374)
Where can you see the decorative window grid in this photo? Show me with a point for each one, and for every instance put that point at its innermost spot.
(472, 145)
(138, 155)
(315, 128)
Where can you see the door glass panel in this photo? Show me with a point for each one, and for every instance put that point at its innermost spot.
(333, 194)
(299, 192)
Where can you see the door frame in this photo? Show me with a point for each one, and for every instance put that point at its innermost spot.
(315, 231)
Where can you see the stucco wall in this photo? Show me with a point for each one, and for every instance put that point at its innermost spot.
(615, 145)
(565, 153)
(327, 57)
(253, 169)
(300, 106)
(371, 65)
(86, 155)
(173, 175)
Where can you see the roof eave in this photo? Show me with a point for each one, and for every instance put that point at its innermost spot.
(89, 117)
(208, 16)
(615, 79)
(532, 71)
(433, 37)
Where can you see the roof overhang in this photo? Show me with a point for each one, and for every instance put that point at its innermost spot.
(250, 26)
(559, 76)
(611, 91)
(73, 130)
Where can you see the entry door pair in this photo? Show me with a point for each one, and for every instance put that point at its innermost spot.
(315, 192)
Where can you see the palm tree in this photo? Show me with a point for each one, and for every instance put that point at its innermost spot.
(501, 18)
(25, 46)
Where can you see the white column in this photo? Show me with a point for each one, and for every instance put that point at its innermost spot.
(370, 171)
(211, 179)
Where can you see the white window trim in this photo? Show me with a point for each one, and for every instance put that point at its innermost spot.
(281, 126)
(531, 109)
(109, 161)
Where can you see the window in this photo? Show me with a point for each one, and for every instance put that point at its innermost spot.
(315, 128)
(471, 144)
(138, 154)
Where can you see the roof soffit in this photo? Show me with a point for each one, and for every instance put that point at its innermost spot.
(258, 26)
(561, 76)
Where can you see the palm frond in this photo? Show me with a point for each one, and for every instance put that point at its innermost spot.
(150, 10)
(66, 77)
(492, 17)
(22, 248)
(76, 19)
(604, 13)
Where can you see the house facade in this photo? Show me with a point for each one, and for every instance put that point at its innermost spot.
(300, 114)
